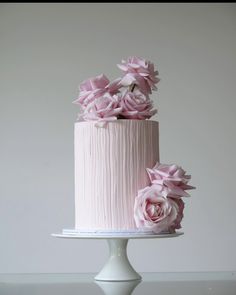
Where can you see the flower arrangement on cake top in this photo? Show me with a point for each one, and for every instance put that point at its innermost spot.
(126, 97)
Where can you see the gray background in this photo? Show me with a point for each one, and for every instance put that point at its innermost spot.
(46, 51)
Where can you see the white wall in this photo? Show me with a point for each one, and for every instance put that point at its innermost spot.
(46, 51)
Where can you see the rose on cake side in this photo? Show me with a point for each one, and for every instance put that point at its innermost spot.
(131, 92)
(171, 179)
(155, 212)
(159, 206)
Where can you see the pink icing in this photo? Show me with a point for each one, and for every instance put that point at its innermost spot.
(110, 168)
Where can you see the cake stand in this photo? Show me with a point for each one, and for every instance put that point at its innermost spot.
(117, 268)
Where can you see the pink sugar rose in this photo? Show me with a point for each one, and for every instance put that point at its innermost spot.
(135, 105)
(104, 108)
(93, 88)
(155, 212)
(171, 180)
(179, 204)
(140, 72)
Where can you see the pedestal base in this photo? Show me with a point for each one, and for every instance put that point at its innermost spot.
(118, 267)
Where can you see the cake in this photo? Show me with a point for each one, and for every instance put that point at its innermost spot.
(110, 168)
(120, 184)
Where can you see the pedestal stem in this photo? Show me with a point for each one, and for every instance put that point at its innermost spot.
(118, 267)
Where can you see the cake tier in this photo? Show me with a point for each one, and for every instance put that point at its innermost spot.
(110, 168)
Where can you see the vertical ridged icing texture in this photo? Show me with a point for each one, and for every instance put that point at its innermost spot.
(110, 168)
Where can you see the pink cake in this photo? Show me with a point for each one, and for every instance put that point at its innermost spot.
(120, 184)
(110, 168)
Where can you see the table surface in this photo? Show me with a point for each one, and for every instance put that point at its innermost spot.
(199, 283)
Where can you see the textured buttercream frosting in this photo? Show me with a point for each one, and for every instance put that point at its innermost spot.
(110, 168)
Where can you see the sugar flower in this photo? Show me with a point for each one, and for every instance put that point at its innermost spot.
(139, 72)
(135, 105)
(124, 98)
(104, 108)
(155, 212)
(93, 88)
(170, 179)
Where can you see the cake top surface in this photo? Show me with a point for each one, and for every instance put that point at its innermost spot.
(127, 97)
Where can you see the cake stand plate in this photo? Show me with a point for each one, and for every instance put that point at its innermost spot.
(117, 267)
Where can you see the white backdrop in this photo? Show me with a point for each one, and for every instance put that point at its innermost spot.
(46, 50)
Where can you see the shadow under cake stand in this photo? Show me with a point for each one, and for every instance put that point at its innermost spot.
(117, 267)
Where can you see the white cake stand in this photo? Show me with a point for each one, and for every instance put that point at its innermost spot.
(118, 267)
